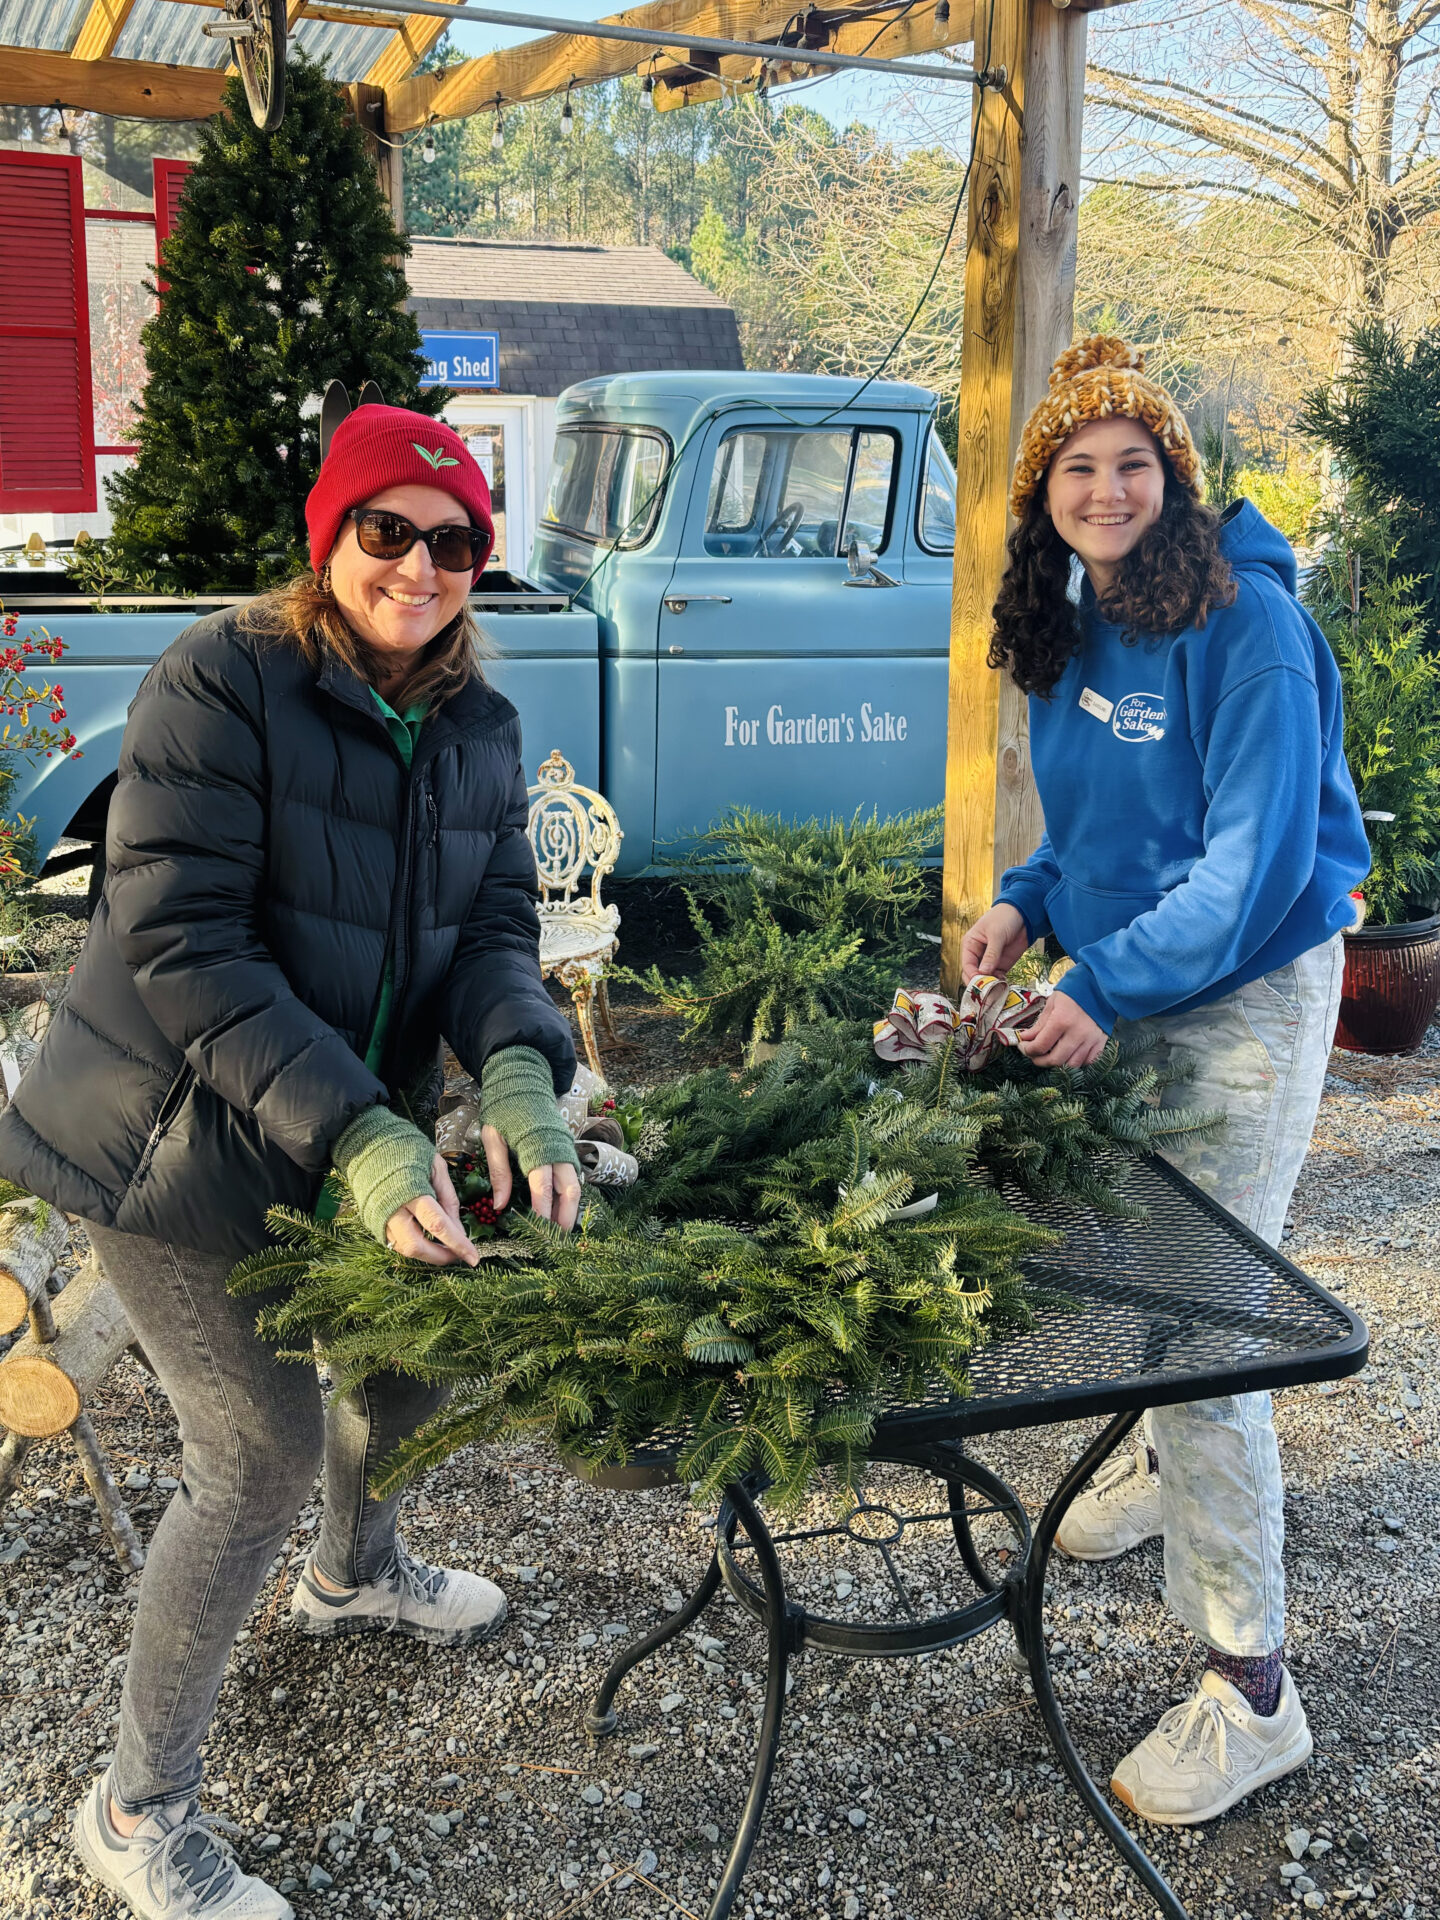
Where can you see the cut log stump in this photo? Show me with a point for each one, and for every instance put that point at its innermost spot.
(44, 1384)
(33, 1239)
(45, 1380)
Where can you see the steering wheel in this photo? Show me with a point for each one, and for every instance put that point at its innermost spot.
(784, 524)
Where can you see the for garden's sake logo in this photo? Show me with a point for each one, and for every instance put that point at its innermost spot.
(437, 459)
(1139, 718)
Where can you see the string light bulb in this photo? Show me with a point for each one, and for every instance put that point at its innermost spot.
(647, 91)
(497, 138)
(567, 117)
(942, 13)
(427, 152)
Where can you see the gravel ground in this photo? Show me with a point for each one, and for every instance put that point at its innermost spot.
(377, 1777)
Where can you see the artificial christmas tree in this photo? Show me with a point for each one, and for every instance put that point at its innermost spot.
(281, 275)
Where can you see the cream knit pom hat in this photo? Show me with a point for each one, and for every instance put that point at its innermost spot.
(1099, 378)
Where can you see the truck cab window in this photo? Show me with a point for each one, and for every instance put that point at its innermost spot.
(605, 484)
(776, 492)
(937, 499)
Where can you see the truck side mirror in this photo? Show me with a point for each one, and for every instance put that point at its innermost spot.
(860, 557)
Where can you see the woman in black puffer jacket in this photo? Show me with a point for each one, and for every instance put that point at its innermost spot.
(316, 866)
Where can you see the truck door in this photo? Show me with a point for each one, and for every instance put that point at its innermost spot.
(784, 684)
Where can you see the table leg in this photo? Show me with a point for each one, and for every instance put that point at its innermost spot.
(1029, 1602)
(781, 1633)
(601, 1717)
(964, 1539)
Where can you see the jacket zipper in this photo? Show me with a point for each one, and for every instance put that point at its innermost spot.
(432, 814)
(179, 1089)
(397, 944)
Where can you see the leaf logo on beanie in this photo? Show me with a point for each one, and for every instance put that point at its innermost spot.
(437, 459)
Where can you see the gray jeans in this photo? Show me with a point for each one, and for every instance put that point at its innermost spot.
(254, 1432)
(1260, 1055)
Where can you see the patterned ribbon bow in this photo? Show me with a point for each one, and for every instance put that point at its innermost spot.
(991, 1014)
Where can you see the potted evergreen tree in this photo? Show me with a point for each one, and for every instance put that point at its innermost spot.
(1375, 620)
(1376, 593)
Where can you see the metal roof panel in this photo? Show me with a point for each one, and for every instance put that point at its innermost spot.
(347, 52)
(49, 25)
(158, 30)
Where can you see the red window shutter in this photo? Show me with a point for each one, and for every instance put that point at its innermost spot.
(47, 429)
(169, 185)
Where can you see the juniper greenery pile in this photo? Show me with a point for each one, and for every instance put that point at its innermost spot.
(799, 920)
(754, 1290)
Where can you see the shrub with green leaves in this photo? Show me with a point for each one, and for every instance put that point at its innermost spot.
(757, 1292)
(798, 920)
(1374, 618)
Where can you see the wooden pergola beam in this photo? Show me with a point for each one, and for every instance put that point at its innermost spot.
(546, 66)
(416, 34)
(1019, 310)
(101, 28)
(141, 88)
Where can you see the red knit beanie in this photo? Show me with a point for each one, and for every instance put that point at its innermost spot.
(378, 447)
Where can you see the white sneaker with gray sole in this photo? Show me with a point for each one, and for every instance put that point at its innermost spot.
(1120, 1510)
(443, 1605)
(173, 1867)
(1210, 1752)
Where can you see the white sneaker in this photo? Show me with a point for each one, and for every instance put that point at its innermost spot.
(1211, 1752)
(1120, 1511)
(173, 1867)
(439, 1604)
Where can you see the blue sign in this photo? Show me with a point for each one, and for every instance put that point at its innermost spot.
(461, 359)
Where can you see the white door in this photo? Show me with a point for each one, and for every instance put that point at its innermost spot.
(500, 433)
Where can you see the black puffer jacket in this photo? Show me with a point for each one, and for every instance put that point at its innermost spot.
(266, 848)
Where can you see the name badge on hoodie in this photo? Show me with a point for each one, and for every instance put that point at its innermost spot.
(1097, 704)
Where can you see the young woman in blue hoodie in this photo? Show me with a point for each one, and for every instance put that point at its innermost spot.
(1202, 840)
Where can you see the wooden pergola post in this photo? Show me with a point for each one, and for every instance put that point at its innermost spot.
(1019, 306)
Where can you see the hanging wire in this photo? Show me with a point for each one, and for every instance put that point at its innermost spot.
(983, 80)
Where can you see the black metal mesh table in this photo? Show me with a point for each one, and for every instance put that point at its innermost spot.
(1185, 1305)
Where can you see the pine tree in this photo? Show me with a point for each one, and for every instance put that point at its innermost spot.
(1381, 418)
(283, 274)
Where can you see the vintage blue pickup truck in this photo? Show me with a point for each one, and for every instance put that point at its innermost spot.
(740, 592)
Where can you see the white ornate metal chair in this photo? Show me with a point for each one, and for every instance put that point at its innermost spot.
(572, 828)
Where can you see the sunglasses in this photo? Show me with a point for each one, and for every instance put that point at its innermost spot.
(390, 536)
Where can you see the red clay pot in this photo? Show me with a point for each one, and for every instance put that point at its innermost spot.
(1392, 987)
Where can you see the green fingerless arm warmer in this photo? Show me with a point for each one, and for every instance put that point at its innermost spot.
(385, 1161)
(517, 1098)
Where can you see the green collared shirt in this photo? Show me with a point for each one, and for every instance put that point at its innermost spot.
(404, 730)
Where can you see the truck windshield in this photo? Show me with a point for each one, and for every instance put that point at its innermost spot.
(777, 492)
(605, 484)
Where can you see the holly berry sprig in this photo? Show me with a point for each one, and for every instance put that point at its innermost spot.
(628, 1112)
(478, 1213)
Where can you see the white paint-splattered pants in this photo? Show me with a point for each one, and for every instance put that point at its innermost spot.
(1260, 1056)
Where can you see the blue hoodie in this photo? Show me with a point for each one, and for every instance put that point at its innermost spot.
(1201, 824)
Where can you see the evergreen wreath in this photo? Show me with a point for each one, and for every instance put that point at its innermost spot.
(758, 1295)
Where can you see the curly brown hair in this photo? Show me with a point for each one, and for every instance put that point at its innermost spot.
(1169, 581)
